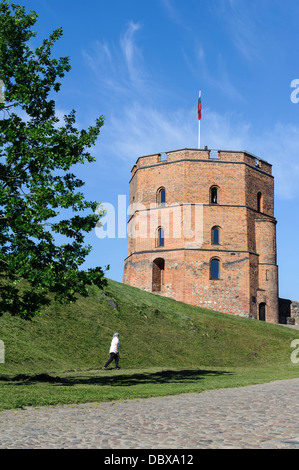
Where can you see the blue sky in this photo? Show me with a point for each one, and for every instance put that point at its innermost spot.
(141, 64)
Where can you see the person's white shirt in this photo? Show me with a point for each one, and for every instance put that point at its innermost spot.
(114, 345)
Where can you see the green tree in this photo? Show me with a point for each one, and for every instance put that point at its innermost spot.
(36, 184)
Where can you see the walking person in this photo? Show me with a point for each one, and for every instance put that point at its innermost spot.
(114, 355)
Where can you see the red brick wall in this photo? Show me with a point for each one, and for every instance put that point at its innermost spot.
(246, 249)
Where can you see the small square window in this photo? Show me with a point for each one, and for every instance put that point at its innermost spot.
(214, 154)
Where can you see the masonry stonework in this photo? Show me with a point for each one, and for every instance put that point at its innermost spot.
(210, 239)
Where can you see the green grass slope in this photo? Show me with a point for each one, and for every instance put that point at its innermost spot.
(166, 347)
(154, 331)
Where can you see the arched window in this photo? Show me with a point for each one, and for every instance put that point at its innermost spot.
(158, 275)
(214, 268)
(214, 195)
(160, 237)
(259, 202)
(215, 236)
(161, 196)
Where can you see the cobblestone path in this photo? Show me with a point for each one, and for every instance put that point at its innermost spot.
(257, 416)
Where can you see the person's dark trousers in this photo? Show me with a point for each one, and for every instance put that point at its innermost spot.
(112, 356)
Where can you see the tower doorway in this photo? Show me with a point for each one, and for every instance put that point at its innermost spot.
(262, 311)
(158, 274)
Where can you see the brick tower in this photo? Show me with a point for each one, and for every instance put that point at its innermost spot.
(202, 231)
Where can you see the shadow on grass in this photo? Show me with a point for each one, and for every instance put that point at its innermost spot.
(117, 379)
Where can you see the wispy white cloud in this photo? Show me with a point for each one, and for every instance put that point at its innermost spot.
(226, 131)
(138, 124)
(131, 52)
(145, 130)
(141, 131)
(104, 61)
(171, 11)
(174, 14)
(219, 79)
(119, 68)
(280, 147)
(242, 21)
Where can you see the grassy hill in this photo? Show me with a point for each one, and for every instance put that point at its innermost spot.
(157, 336)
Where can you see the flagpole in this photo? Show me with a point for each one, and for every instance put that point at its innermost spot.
(199, 118)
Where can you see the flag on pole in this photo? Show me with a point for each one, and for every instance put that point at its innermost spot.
(199, 105)
(199, 118)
